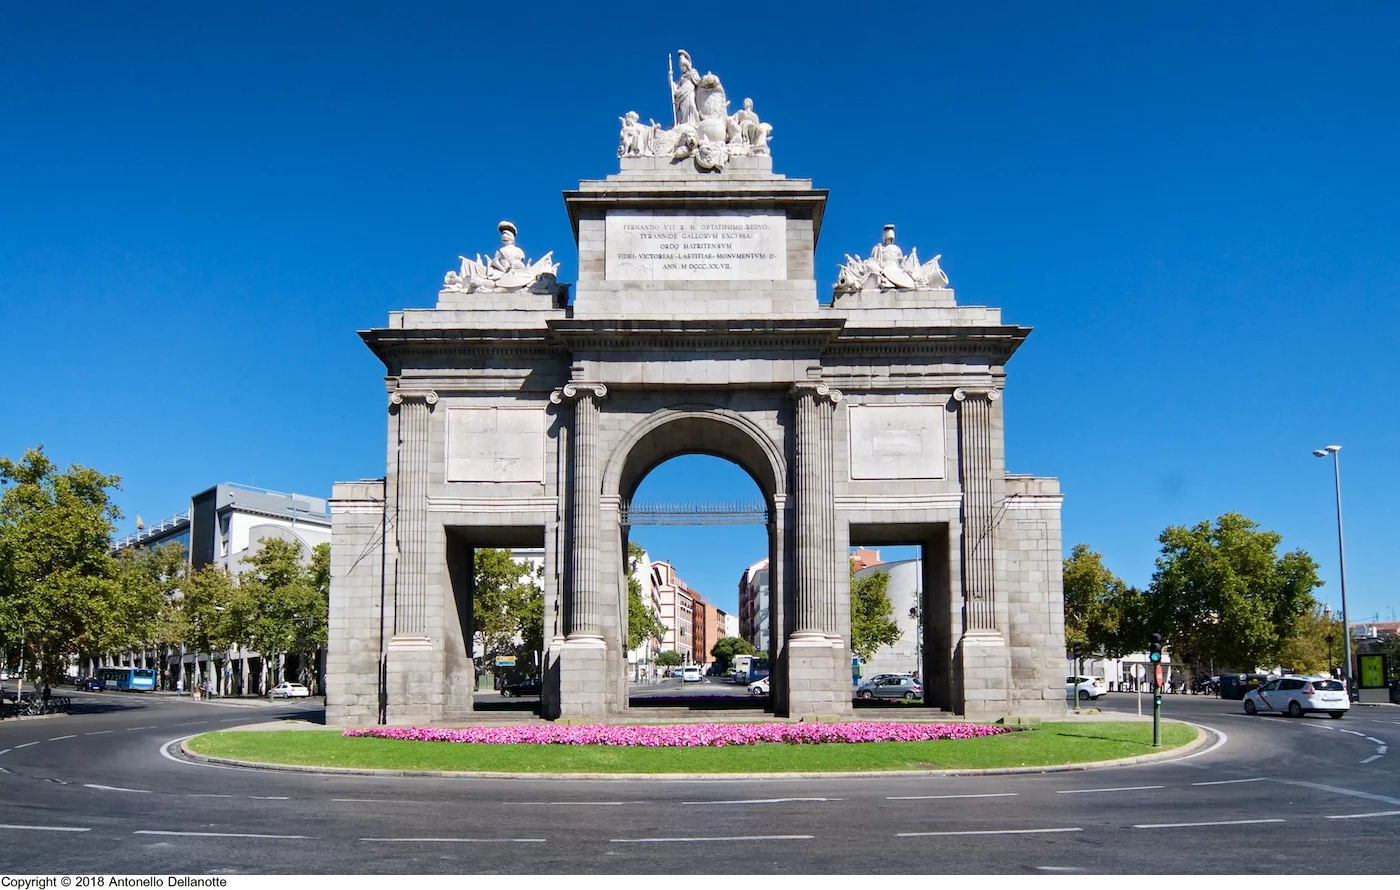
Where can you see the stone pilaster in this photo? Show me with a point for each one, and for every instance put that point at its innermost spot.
(979, 516)
(583, 656)
(817, 684)
(414, 408)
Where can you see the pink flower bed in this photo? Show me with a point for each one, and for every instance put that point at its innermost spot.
(693, 735)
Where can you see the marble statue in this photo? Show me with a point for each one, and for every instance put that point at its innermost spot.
(505, 272)
(889, 269)
(702, 130)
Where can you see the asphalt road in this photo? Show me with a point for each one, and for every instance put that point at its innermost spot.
(94, 793)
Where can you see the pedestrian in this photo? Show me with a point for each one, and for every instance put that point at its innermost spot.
(180, 687)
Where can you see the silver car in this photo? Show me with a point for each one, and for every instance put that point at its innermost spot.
(891, 687)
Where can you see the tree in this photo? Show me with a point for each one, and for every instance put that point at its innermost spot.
(1220, 592)
(669, 658)
(1102, 613)
(642, 623)
(725, 648)
(1307, 650)
(59, 590)
(505, 601)
(871, 623)
(277, 608)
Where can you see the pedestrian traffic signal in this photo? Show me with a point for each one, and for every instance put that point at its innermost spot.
(1154, 654)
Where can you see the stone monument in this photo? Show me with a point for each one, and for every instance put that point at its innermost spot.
(520, 417)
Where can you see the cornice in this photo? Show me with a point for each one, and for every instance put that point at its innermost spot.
(666, 335)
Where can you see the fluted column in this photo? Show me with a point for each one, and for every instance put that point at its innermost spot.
(979, 520)
(414, 408)
(583, 616)
(816, 510)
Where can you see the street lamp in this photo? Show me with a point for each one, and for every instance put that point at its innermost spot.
(1342, 559)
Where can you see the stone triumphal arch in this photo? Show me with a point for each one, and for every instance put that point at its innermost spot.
(522, 415)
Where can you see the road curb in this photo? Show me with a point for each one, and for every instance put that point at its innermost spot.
(1203, 736)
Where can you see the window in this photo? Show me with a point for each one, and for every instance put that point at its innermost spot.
(1290, 684)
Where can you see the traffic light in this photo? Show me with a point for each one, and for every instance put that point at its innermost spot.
(1154, 654)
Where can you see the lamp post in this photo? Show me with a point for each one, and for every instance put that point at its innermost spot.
(1327, 619)
(1341, 558)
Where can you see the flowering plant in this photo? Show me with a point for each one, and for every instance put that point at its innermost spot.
(694, 735)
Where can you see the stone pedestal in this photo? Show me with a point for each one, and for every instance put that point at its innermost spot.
(583, 679)
(408, 687)
(818, 683)
(984, 660)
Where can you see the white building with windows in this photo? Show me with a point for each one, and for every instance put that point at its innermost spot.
(223, 525)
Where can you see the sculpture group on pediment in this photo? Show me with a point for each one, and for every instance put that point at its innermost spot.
(702, 128)
(508, 271)
(889, 269)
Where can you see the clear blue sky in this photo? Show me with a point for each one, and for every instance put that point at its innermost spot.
(1194, 205)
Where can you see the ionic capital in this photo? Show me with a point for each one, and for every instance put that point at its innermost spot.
(571, 391)
(400, 396)
(818, 392)
(990, 394)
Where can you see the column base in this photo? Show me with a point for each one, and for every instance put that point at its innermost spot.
(408, 681)
(583, 679)
(984, 672)
(819, 685)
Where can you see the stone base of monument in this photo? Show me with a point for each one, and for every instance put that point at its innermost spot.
(818, 678)
(985, 667)
(583, 678)
(408, 695)
(922, 298)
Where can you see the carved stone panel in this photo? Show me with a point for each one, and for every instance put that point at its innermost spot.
(661, 246)
(503, 444)
(897, 442)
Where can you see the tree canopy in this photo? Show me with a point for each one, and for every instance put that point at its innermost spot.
(1103, 615)
(669, 658)
(725, 648)
(507, 603)
(871, 623)
(642, 623)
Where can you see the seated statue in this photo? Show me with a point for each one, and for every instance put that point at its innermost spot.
(507, 270)
(889, 269)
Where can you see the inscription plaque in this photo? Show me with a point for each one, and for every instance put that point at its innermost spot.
(897, 441)
(656, 246)
(495, 444)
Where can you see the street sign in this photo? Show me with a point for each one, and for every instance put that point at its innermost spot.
(1157, 674)
(505, 661)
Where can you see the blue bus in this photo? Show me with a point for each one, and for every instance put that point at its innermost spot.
(127, 679)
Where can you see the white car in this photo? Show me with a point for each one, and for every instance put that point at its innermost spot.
(1296, 696)
(691, 674)
(290, 690)
(1088, 687)
(759, 686)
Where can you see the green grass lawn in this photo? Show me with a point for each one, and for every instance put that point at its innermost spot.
(1045, 744)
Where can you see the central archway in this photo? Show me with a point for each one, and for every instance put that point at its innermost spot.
(716, 432)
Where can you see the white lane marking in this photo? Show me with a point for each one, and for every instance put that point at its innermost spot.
(1366, 815)
(115, 788)
(453, 840)
(1220, 743)
(43, 828)
(952, 796)
(566, 803)
(26, 745)
(59, 738)
(989, 831)
(6, 751)
(192, 723)
(701, 840)
(209, 795)
(1102, 790)
(139, 728)
(1057, 868)
(711, 803)
(101, 732)
(1382, 749)
(1204, 824)
(232, 719)
(270, 837)
(1368, 738)
(255, 797)
(1233, 781)
(368, 800)
(1372, 757)
(1353, 732)
(1379, 798)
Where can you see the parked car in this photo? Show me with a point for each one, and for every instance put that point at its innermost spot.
(1296, 696)
(759, 687)
(1088, 687)
(290, 690)
(891, 687)
(529, 686)
(691, 674)
(91, 684)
